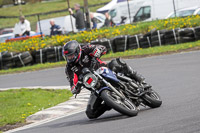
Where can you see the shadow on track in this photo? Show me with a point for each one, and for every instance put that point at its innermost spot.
(112, 116)
(86, 121)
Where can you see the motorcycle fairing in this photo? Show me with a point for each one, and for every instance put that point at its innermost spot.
(107, 73)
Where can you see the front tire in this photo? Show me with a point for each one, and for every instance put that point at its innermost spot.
(125, 107)
(152, 99)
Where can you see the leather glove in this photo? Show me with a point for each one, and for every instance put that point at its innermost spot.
(93, 63)
(76, 89)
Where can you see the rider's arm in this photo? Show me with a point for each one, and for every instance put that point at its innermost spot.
(72, 78)
(95, 50)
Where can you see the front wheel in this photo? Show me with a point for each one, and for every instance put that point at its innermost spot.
(125, 107)
(152, 99)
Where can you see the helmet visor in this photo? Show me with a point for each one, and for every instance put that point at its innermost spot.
(71, 57)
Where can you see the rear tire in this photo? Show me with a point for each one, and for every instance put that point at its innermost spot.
(125, 107)
(152, 99)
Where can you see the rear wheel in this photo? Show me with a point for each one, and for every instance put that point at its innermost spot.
(152, 99)
(125, 107)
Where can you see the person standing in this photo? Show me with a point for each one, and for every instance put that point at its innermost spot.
(108, 21)
(79, 16)
(23, 27)
(55, 29)
(93, 20)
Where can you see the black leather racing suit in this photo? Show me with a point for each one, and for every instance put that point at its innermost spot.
(73, 70)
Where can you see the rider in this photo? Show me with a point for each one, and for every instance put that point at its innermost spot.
(78, 57)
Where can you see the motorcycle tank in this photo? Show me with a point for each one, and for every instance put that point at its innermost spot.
(107, 73)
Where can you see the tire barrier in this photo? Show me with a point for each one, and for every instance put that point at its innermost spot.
(139, 41)
(23, 59)
(108, 43)
(40, 56)
(13, 60)
(144, 41)
(154, 38)
(133, 42)
(157, 38)
(120, 43)
(6, 60)
(186, 35)
(54, 54)
(171, 36)
(197, 33)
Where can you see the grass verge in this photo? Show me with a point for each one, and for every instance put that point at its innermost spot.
(33, 68)
(127, 54)
(16, 105)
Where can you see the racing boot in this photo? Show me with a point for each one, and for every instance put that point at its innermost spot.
(134, 75)
(139, 78)
(119, 65)
(146, 85)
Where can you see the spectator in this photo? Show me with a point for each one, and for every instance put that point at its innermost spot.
(108, 21)
(93, 20)
(16, 2)
(23, 27)
(55, 29)
(79, 16)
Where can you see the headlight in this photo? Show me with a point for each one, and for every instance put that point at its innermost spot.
(90, 80)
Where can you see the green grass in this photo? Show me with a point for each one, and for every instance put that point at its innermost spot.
(31, 8)
(129, 53)
(16, 105)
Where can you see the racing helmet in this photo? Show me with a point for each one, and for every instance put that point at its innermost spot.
(72, 51)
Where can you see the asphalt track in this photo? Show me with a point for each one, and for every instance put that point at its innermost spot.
(48, 77)
(175, 77)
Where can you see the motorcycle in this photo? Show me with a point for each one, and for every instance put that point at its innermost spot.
(118, 91)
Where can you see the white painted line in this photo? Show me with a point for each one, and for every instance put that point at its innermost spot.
(49, 112)
(73, 102)
(67, 106)
(36, 87)
(82, 100)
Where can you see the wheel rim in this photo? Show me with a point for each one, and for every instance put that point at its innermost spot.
(126, 103)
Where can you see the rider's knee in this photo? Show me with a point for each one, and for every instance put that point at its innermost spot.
(90, 113)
